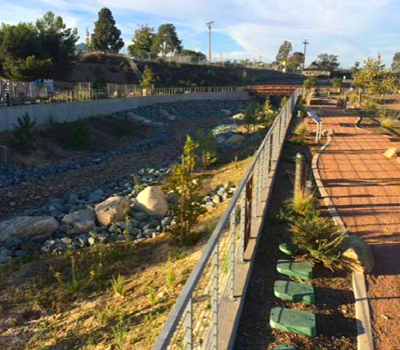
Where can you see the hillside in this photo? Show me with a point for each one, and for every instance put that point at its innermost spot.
(122, 70)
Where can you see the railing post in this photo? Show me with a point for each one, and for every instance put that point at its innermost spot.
(232, 228)
(300, 176)
(242, 226)
(188, 326)
(214, 297)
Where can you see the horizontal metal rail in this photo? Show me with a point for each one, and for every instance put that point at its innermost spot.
(197, 317)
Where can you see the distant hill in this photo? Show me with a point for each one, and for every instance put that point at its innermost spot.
(80, 47)
(121, 69)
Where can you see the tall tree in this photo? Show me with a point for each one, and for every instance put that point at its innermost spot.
(375, 77)
(356, 67)
(396, 62)
(45, 50)
(296, 60)
(166, 40)
(327, 62)
(195, 56)
(284, 52)
(106, 36)
(142, 41)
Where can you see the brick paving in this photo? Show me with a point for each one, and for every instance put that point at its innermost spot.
(365, 188)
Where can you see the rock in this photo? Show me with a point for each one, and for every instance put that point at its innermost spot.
(111, 210)
(357, 254)
(239, 116)
(139, 119)
(216, 199)
(172, 118)
(235, 140)
(152, 201)
(226, 111)
(25, 226)
(140, 216)
(66, 240)
(91, 241)
(391, 153)
(82, 220)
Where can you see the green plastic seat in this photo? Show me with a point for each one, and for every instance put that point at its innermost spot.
(296, 292)
(288, 248)
(284, 347)
(293, 321)
(299, 269)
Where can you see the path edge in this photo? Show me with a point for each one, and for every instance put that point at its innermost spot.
(363, 316)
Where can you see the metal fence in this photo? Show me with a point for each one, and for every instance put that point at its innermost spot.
(23, 93)
(200, 315)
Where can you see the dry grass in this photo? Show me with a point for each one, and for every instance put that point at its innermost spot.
(301, 129)
(124, 305)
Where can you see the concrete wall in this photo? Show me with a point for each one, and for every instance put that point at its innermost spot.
(70, 111)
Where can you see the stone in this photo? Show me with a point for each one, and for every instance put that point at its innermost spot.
(139, 119)
(26, 226)
(226, 111)
(152, 201)
(239, 116)
(66, 240)
(140, 216)
(111, 210)
(216, 199)
(298, 269)
(293, 321)
(357, 254)
(82, 220)
(235, 140)
(391, 153)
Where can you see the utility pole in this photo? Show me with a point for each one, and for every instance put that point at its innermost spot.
(305, 43)
(209, 24)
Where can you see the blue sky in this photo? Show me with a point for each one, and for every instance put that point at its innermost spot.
(352, 29)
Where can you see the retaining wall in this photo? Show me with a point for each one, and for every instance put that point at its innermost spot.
(70, 111)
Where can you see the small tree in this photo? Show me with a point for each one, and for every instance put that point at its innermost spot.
(187, 208)
(269, 113)
(100, 79)
(24, 138)
(284, 52)
(250, 118)
(283, 103)
(148, 78)
(208, 147)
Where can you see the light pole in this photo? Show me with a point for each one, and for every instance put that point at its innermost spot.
(305, 42)
(209, 24)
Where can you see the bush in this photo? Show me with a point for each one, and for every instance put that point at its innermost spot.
(310, 83)
(208, 147)
(301, 129)
(386, 122)
(80, 135)
(24, 138)
(319, 240)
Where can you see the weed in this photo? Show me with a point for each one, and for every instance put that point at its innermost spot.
(303, 203)
(152, 295)
(118, 285)
(170, 277)
(120, 334)
(106, 313)
(24, 138)
(235, 163)
(301, 129)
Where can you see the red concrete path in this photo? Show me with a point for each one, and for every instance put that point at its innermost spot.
(365, 188)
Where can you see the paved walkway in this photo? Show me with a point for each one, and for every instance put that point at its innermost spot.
(365, 187)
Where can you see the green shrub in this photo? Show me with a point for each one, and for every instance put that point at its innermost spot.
(24, 138)
(319, 240)
(310, 83)
(208, 147)
(301, 129)
(250, 117)
(100, 79)
(80, 134)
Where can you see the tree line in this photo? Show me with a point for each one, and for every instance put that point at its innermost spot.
(46, 49)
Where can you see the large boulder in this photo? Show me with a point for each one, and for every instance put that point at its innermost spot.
(391, 153)
(25, 226)
(82, 220)
(139, 119)
(357, 254)
(111, 210)
(152, 201)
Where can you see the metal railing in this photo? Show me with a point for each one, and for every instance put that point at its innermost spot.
(23, 94)
(197, 320)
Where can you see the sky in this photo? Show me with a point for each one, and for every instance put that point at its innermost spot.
(352, 29)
